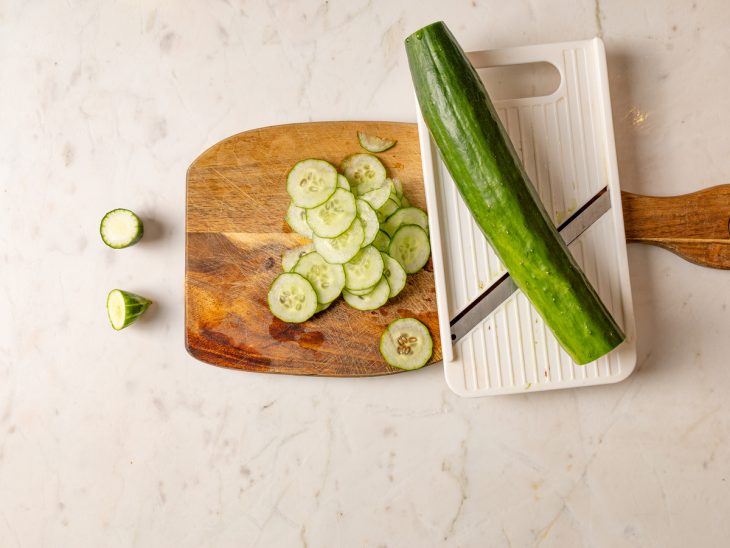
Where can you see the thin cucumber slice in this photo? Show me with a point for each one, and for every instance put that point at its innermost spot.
(326, 279)
(381, 241)
(291, 257)
(364, 171)
(404, 201)
(296, 218)
(398, 186)
(364, 269)
(406, 344)
(333, 217)
(344, 247)
(378, 196)
(372, 143)
(394, 273)
(387, 209)
(369, 301)
(311, 182)
(322, 307)
(369, 221)
(342, 182)
(361, 291)
(410, 247)
(123, 307)
(292, 298)
(121, 228)
(405, 216)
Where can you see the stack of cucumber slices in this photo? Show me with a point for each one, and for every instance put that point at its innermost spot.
(366, 238)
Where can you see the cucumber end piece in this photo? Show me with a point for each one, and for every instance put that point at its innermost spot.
(120, 228)
(124, 308)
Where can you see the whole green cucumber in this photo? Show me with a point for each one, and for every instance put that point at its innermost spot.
(494, 185)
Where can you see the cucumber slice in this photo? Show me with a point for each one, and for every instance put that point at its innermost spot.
(405, 216)
(291, 257)
(344, 247)
(123, 307)
(404, 201)
(322, 307)
(398, 185)
(342, 182)
(326, 279)
(369, 221)
(406, 344)
(394, 273)
(364, 171)
(292, 298)
(372, 143)
(333, 217)
(378, 196)
(369, 301)
(361, 291)
(381, 241)
(364, 269)
(311, 182)
(387, 209)
(296, 218)
(121, 228)
(410, 247)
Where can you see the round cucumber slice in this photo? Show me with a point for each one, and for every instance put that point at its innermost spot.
(394, 273)
(292, 298)
(373, 143)
(326, 279)
(364, 171)
(342, 182)
(344, 247)
(369, 221)
(291, 257)
(311, 182)
(406, 344)
(410, 247)
(364, 269)
(123, 308)
(387, 209)
(369, 301)
(381, 241)
(405, 216)
(296, 218)
(378, 196)
(121, 228)
(334, 216)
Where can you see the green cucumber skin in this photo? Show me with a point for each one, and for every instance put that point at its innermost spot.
(136, 305)
(490, 177)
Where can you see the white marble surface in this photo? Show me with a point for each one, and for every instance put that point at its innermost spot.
(121, 439)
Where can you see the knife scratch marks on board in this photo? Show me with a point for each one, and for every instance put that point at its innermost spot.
(238, 189)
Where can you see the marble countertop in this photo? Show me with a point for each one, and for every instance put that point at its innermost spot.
(121, 439)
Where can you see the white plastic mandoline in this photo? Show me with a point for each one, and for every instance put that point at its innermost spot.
(566, 142)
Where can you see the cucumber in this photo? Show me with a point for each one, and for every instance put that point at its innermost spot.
(342, 182)
(291, 257)
(397, 186)
(387, 209)
(326, 279)
(369, 221)
(377, 197)
(406, 344)
(410, 247)
(495, 187)
(364, 269)
(405, 216)
(311, 182)
(372, 143)
(120, 228)
(364, 171)
(123, 307)
(381, 241)
(333, 217)
(361, 291)
(394, 273)
(344, 247)
(404, 201)
(296, 218)
(369, 301)
(322, 307)
(292, 298)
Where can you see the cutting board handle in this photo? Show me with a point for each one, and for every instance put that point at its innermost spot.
(694, 226)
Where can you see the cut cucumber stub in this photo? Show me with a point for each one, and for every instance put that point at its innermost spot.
(406, 344)
(291, 257)
(369, 301)
(410, 247)
(296, 218)
(292, 298)
(405, 216)
(387, 209)
(342, 248)
(342, 182)
(334, 216)
(394, 273)
(372, 143)
(377, 197)
(311, 182)
(123, 307)
(381, 241)
(364, 269)
(326, 279)
(364, 171)
(369, 221)
(121, 228)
